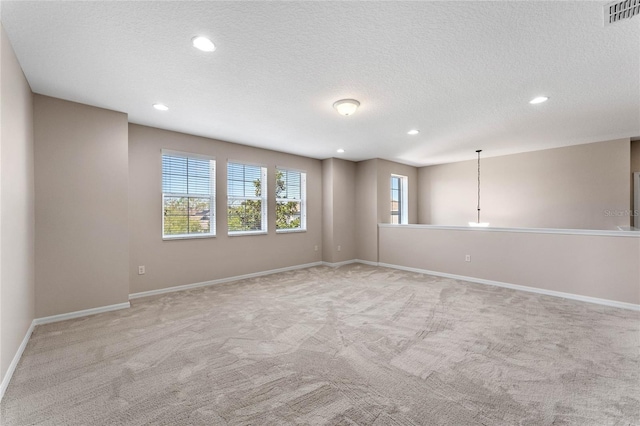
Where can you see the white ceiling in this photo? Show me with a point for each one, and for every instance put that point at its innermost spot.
(461, 72)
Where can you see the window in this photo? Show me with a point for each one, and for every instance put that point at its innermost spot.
(188, 195)
(247, 202)
(399, 212)
(291, 200)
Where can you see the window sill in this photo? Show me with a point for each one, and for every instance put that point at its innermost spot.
(243, 233)
(289, 231)
(187, 237)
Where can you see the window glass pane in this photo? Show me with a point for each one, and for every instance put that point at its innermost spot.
(235, 188)
(199, 185)
(290, 187)
(288, 184)
(244, 212)
(199, 215)
(243, 180)
(245, 215)
(394, 183)
(176, 219)
(398, 202)
(281, 184)
(183, 176)
(251, 188)
(198, 167)
(288, 215)
(294, 185)
(174, 174)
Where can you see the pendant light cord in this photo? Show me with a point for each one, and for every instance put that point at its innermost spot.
(479, 151)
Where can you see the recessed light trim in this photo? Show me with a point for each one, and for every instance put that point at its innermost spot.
(203, 43)
(161, 107)
(539, 100)
(340, 151)
(413, 132)
(346, 106)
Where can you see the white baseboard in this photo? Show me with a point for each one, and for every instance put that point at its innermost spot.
(338, 264)
(16, 359)
(589, 299)
(349, 262)
(220, 281)
(367, 262)
(83, 313)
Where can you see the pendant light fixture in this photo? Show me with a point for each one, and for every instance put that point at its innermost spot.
(478, 223)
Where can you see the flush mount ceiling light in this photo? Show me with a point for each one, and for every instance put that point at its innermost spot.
(203, 43)
(340, 151)
(539, 100)
(161, 107)
(346, 106)
(413, 132)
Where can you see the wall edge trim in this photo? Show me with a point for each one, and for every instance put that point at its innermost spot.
(16, 359)
(82, 313)
(220, 281)
(596, 232)
(571, 296)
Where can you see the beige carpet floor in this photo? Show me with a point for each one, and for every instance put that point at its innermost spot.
(354, 345)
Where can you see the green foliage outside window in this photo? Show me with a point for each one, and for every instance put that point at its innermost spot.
(247, 215)
(183, 215)
(288, 213)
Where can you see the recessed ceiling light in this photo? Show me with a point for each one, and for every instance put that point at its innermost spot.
(413, 132)
(161, 107)
(203, 44)
(340, 150)
(539, 100)
(346, 106)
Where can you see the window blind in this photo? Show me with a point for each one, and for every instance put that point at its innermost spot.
(188, 195)
(290, 200)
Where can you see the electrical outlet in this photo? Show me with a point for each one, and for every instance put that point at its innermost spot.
(339, 248)
(315, 248)
(141, 270)
(467, 258)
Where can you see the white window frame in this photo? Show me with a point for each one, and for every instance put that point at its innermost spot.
(263, 198)
(212, 195)
(404, 198)
(302, 200)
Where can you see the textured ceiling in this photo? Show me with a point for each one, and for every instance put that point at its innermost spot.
(461, 72)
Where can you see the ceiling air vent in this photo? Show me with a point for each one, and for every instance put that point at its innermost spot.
(620, 10)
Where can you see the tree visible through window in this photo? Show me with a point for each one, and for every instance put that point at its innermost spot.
(247, 204)
(188, 195)
(291, 200)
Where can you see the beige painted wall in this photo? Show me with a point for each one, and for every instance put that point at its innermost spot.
(339, 189)
(568, 187)
(373, 201)
(596, 266)
(366, 210)
(17, 295)
(81, 181)
(327, 210)
(188, 261)
(635, 156)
